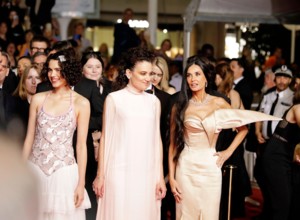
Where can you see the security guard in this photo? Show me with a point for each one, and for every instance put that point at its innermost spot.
(276, 102)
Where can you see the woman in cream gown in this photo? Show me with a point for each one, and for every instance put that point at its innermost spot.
(194, 164)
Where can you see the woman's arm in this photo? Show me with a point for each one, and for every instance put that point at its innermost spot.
(108, 117)
(161, 186)
(33, 109)
(82, 107)
(224, 155)
(240, 136)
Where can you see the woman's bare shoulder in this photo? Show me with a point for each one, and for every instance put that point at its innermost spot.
(220, 102)
(80, 100)
(39, 97)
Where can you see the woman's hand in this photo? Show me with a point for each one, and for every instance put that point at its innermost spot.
(78, 196)
(96, 135)
(222, 157)
(161, 190)
(176, 190)
(98, 186)
(260, 138)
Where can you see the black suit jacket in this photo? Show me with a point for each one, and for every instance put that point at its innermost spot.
(11, 82)
(9, 107)
(244, 89)
(164, 99)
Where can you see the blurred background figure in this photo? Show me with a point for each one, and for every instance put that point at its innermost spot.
(165, 46)
(19, 199)
(78, 36)
(161, 77)
(40, 12)
(23, 94)
(125, 36)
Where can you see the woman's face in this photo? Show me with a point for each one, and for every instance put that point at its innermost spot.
(54, 75)
(92, 69)
(11, 49)
(140, 75)
(156, 75)
(218, 80)
(22, 64)
(196, 78)
(32, 80)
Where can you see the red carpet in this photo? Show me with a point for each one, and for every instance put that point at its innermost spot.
(251, 209)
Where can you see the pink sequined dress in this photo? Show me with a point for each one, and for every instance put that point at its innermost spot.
(52, 159)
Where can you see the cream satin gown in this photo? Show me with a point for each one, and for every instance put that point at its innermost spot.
(197, 174)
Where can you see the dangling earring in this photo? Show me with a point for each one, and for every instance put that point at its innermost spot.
(205, 84)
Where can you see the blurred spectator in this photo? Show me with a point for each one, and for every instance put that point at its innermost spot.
(208, 51)
(275, 59)
(3, 35)
(176, 74)
(15, 29)
(240, 83)
(40, 12)
(145, 40)
(78, 36)
(12, 52)
(269, 82)
(18, 186)
(165, 46)
(160, 77)
(10, 81)
(39, 43)
(22, 63)
(39, 59)
(24, 49)
(24, 92)
(125, 36)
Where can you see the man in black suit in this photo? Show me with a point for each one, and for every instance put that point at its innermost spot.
(11, 81)
(125, 36)
(240, 83)
(87, 88)
(40, 11)
(7, 104)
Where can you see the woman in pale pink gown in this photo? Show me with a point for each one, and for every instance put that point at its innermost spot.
(53, 117)
(196, 121)
(130, 180)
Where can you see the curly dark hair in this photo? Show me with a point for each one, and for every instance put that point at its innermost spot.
(184, 97)
(129, 60)
(71, 69)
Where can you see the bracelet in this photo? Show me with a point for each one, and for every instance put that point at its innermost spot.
(101, 176)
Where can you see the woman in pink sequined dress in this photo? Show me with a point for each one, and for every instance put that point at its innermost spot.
(53, 118)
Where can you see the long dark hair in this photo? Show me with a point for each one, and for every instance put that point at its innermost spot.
(296, 99)
(184, 97)
(129, 60)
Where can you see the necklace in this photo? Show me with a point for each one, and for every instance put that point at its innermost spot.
(196, 102)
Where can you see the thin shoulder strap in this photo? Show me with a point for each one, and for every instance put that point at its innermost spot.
(45, 99)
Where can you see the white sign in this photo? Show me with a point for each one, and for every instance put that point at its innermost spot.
(76, 8)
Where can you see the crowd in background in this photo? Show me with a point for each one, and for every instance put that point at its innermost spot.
(242, 82)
